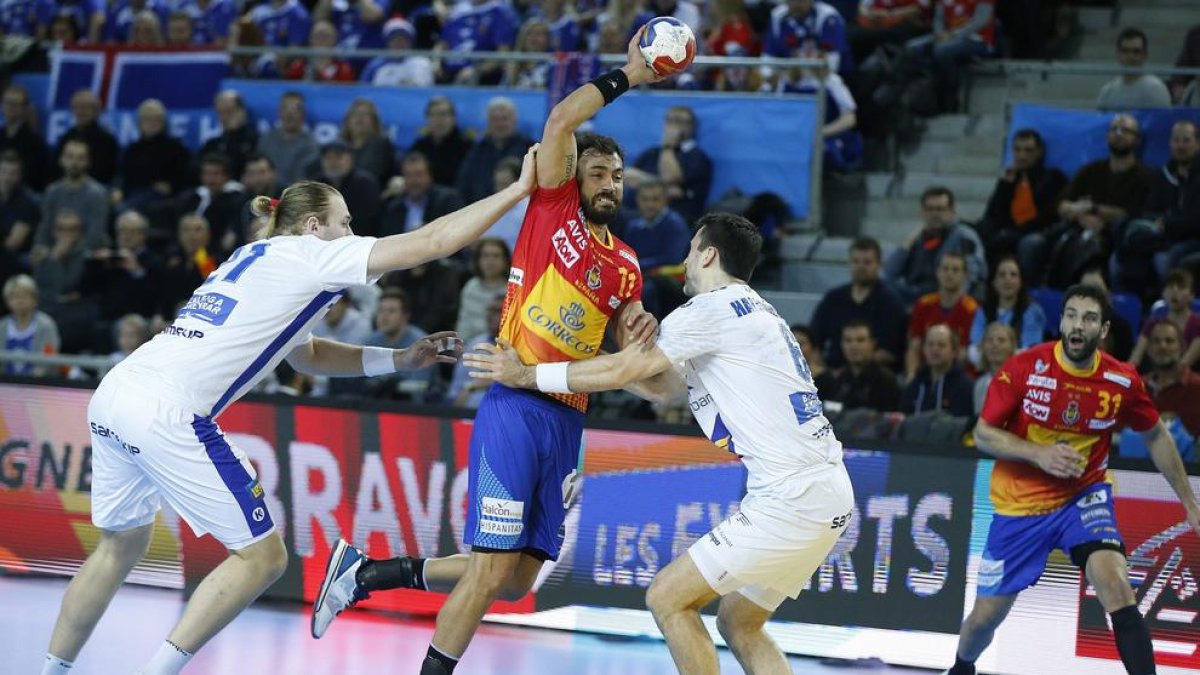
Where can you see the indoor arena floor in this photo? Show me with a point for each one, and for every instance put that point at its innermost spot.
(274, 638)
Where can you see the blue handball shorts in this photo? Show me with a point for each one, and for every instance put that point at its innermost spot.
(524, 450)
(1019, 546)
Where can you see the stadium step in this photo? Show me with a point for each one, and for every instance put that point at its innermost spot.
(966, 188)
(811, 277)
(794, 306)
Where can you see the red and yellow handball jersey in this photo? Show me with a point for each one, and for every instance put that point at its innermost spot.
(565, 284)
(1039, 396)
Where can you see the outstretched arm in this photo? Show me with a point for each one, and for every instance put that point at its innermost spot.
(1165, 456)
(451, 232)
(331, 358)
(557, 159)
(644, 369)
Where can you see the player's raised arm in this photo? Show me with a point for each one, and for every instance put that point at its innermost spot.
(557, 157)
(452, 232)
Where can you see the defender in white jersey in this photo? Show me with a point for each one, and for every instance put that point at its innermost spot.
(153, 417)
(752, 393)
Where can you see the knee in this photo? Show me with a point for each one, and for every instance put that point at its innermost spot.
(1115, 594)
(729, 629)
(126, 547)
(985, 618)
(658, 600)
(515, 589)
(492, 582)
(269, 557)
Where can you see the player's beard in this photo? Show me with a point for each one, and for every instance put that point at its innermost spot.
(601, 214)
(1084, 352)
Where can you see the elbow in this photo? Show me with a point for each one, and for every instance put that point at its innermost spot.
(558, 123)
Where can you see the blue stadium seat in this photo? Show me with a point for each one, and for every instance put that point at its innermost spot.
(1129, 307)
(1051, 301)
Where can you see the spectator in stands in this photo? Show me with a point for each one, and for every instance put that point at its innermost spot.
(862, 382)
(865, 298)
(886, 22)
(534, 36)
(1183, 87)
(359, 188)
(1168, 231)
(121, 19)
(465, 391)
(344, 323)
(1173, 385)
(441, 141)
(78, 192)
(125, 279)
(146, 30)
(211, 20)
(21, 19)
(660, 237)
(18, 133)
(394, 330)
(616, 18)
(797, 25)
(59, 272)
(808, 348)
(1133, 91)
(218, 198)
(1100, 197)
(362, 129)
(1119, 341)
(419, 200)
(155, 166)
(913, 271)
(238, 139)
(290, 145)
(180, 33)
(731, 33)
(565, 35)
(843, 142)
(132, 331)
(26, 328)
(501, 139)
(20, 213)
(684, 10)
(488, 284)
(1025, 197)
(102, 145)
(432, 291)
(358, 22)
(1178, 292)
(508, 227)
(678, 161)
(291, 382)
(940, 384)
(260, 177)
(399, 71)
(999, 344)
(283, 23)
(950, 305)
(962, 30)
(610, 38)
(1007, 301)
(321, 68)
(189, 263)
(480, 26)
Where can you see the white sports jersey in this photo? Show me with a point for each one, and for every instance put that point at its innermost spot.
(749, 386)
(246, 317)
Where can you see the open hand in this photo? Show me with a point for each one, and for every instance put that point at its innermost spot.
(528, 178)
(499, 363)
(1060, 460)
(441, 347)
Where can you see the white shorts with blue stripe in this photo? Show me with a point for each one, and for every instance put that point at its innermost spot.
(146, 448)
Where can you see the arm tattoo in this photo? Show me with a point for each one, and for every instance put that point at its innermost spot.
(570, 171)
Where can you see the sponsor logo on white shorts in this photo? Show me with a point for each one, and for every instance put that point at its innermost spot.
(564, 248)
(1092, 498)
(258, 514)
(1040, 413)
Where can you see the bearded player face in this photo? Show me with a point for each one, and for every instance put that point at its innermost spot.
(1082, 327)
(601, 186)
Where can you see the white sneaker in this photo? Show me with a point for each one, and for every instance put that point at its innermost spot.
(339, 590)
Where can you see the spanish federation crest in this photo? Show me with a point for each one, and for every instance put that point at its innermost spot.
(1071, 415)
(593, 277)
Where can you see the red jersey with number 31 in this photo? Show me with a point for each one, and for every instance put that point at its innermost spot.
(565, 283)
(1039, 396)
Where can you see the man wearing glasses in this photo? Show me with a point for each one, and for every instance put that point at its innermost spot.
(1100, 197)
(1133, 91)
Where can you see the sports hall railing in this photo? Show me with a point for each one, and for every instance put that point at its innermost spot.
(98, 364)
(773, 64)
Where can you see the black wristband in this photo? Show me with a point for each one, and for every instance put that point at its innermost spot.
(612, 84)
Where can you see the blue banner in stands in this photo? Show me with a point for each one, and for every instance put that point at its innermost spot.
(1077, 137)
(760, 143)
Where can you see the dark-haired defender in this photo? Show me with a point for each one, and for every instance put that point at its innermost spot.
(1048, 418)
(570, 277)
(751, 391)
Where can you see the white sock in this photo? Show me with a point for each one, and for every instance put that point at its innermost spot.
(169, 660)
(55, 666)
